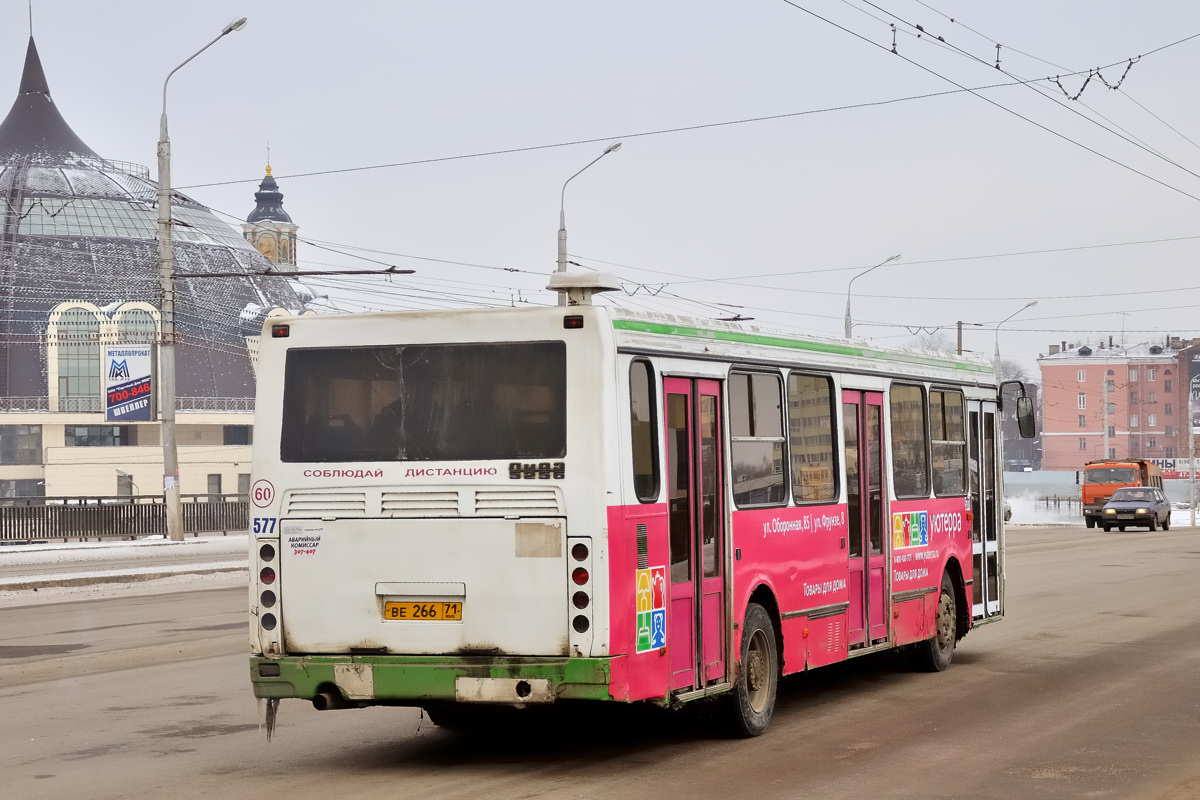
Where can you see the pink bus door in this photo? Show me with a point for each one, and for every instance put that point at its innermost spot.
(862, 423)
(696, 531)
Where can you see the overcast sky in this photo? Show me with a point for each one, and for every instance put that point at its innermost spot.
(994, 198)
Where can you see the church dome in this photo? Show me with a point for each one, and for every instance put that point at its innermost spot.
(79, 228)
(268, 202)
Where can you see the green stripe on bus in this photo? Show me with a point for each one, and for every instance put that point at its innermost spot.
(411, 679)
(791, 344)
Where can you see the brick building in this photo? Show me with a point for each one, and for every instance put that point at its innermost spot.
(1115, 401)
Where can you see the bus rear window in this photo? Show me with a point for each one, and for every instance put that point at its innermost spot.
(444, 402)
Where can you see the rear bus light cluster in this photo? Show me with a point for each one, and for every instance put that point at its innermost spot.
(265, 597)
(580, 588)
(266, 577)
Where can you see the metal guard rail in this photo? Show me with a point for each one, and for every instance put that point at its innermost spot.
(43, 518)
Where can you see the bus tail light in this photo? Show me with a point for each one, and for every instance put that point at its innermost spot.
(579, 612)
(268, 608)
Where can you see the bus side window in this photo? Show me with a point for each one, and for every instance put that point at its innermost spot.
(910, 441)
(811, 419)
(644, 432)
(949, 437)
(756, 439)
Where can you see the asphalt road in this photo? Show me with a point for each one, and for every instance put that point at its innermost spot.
(1090, 688)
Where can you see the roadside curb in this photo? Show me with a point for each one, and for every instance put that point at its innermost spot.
(114, 576)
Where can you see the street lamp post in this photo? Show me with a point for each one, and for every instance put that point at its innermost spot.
(887, 260)
(996, 357)
(562, 216)
(166, 380)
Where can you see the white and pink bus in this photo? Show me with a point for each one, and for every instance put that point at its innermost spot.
(460, 509)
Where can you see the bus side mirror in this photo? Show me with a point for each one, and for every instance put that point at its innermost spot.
(1025, 421)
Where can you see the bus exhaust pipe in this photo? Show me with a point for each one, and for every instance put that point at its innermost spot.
(328, 701)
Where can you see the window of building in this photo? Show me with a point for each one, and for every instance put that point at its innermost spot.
(1167, 409)
(1083, 420)
(1151, 443)
(644, 431)
(1169, 451)
(1151, 420)
(1133, 397)
(811, 418)
(1112, 452)
(1110, 386)
(1081, 375)
(1167, 384)
(76, 337)
(1112, 430)
(1133, 375)
(756, 439)
(1112, 408)
(1082, 443)
(237, 434)
(22, 488)
(910, 447)
(214, 488)
(1133, 420)
(1151, 397)
(1169, 431)
(1082, 400)
(1151, 373)
(243, 486)
(100, 435)
(20, 444)
(949, 439)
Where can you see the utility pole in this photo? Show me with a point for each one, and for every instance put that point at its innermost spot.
(1104, 411)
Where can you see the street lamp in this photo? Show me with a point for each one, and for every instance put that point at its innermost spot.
(166, 279)
(123, 474)
(996, 357)
(887, 260)
(562, 217)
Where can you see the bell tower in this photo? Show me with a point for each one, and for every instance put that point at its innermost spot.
(269, 228)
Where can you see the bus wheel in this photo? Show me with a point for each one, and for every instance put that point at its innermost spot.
(1121, 528)
(752, 701)
(1091, 523)
(937, 651)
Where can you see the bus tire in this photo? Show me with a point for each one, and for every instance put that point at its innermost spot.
(1121, 528)
(936, 652)
(752, 701)
(1090, 521)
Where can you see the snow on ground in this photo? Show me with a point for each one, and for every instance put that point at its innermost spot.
(223, 566)
(220, 548)
(103, 591)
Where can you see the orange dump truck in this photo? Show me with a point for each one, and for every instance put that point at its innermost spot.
(1101, 478)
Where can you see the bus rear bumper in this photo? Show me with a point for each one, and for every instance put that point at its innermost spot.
(417, 680)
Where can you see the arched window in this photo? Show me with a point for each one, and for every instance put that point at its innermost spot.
(75, 334)
(136, 326)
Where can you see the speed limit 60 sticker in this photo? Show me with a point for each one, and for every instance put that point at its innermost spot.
(262, 493)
